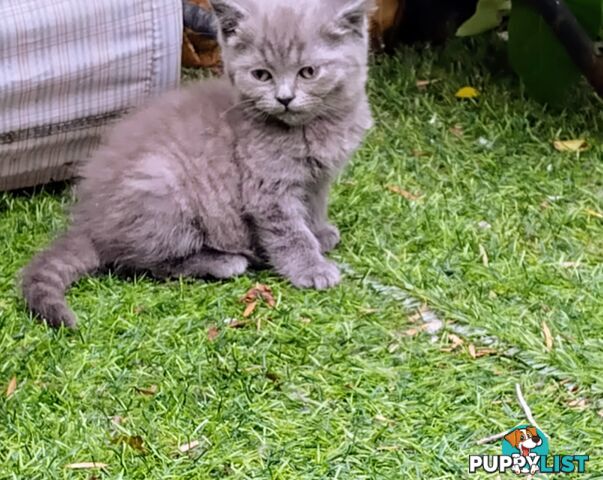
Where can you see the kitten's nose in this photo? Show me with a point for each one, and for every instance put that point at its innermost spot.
(285, 100)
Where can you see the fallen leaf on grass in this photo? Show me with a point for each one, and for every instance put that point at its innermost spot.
(456, 343)
(420, 153)
(369, 311)
(578, 403)
(86, 465)
(11, 387)
(571, 387)
(411, 332)
(593, 213)
(467, 92)
(117, 419)
(432, 324)
(600, 413)
(570, 264)
(418, 315)
(578, 145)
(404, 193)
(484, 255)
(250, 309)
(212, 333)
(135, 442)
(382, 419)
(150, 391)
(548, 338)
(457, 131)
(476, 353)
(484, 352)
(425, 83)
(234, 323)
(187, 447)
(393, 347)
(260, 291)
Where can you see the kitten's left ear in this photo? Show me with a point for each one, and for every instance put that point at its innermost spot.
(352, 17)
(229, 14)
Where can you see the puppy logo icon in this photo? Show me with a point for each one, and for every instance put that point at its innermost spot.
(525, 441)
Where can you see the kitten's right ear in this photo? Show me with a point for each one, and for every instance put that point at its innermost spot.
(352, 17)
(229, 13)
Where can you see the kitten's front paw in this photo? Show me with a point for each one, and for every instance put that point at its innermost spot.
(320, 276)
(328, 237)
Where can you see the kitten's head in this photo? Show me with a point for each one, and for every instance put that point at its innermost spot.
(295, 60)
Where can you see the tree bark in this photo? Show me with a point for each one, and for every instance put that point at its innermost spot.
(574, 39)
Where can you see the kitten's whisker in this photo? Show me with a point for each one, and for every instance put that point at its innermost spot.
(256, 114)
(236, 105)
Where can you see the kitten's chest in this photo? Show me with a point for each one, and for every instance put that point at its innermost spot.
(316, 150)
(303, 154)
(330, 148)
(332, 144)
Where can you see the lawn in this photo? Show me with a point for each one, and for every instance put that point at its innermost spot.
(455, 209)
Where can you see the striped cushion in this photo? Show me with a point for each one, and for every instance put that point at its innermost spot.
(70, 67)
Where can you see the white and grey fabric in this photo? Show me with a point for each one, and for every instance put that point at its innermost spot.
(68, 68)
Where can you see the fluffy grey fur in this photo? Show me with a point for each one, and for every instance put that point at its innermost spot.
(227, 173)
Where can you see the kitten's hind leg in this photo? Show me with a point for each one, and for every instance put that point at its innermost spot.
(206, 263)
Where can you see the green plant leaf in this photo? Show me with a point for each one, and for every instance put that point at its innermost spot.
(589, 13)
(488, 15)
(537, 56)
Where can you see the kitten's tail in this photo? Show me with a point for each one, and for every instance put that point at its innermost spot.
(51, 272)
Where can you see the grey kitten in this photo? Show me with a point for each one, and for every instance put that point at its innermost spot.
(228, 173)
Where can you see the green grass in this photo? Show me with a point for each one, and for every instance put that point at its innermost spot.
(330, 385)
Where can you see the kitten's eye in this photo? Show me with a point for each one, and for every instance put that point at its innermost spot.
(261, 75)
(307, 73)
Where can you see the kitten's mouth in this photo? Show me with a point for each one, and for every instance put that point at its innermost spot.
(287, 115)
(293, 117)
